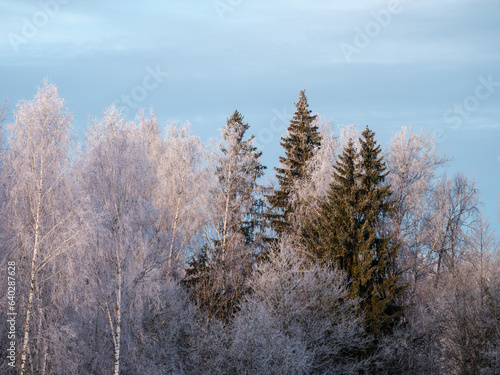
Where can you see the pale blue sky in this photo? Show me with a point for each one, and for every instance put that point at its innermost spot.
(420, 59)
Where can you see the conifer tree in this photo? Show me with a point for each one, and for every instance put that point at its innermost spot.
(335, 239)
(349, 233)
(299, 144)
(251, 171)
(217, 275)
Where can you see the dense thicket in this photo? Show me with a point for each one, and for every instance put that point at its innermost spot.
(142, 251)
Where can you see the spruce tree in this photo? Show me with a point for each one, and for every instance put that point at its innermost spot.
(381, 287)
(299, 144)
(217, 274)
(349, 234)
(252, 169)
(333, 235)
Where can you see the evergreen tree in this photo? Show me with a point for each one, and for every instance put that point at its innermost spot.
(251, 171)
(299, 144)
(333, 237)
(217, 275)
(348, 231)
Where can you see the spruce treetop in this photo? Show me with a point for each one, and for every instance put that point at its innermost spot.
(300, 142)
(235, 124)
(233, 133)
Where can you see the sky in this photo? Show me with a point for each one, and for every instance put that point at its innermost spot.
(430, 64)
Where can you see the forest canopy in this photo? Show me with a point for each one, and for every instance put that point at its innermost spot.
(148, 250)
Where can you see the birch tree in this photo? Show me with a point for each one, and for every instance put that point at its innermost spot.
(298, 320)
(120, 253)
(467, 308)
(414, 163)
(40, 212)
(456, 201)
(183, 173)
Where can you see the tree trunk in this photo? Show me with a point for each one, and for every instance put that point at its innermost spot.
(32, 280)
(118, 318)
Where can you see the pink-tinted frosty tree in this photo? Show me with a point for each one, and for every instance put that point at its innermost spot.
(41, 229)
(120, 253)
(307, 311)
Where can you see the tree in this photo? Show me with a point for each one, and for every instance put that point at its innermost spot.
(305, 194)
(237, 172)
(120, 252)
(350, 235)
(299, 319)
(40, 219)
(456, 202)
(333, 237)
(218, 273)
(383, 289)
(465, 308)
(413, 161)
(171, 335)
(183, 177)
(179, 161)
(3, 189)
(300, 143)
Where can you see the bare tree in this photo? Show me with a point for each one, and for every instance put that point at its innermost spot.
(414, 162)
(182, 175)
(454, 328)
(3, 180)
(171, 338)
(119, 252)
(468, 308)
(348, 132)
(304, 307)
(40, 214)
(456, 200)
(259, 346)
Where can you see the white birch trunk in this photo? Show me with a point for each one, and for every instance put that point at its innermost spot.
(118, 318)
(32, 278)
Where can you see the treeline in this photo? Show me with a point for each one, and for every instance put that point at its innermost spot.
(150, 252)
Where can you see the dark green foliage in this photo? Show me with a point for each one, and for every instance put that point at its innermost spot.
(348, 232)
(299, 144)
